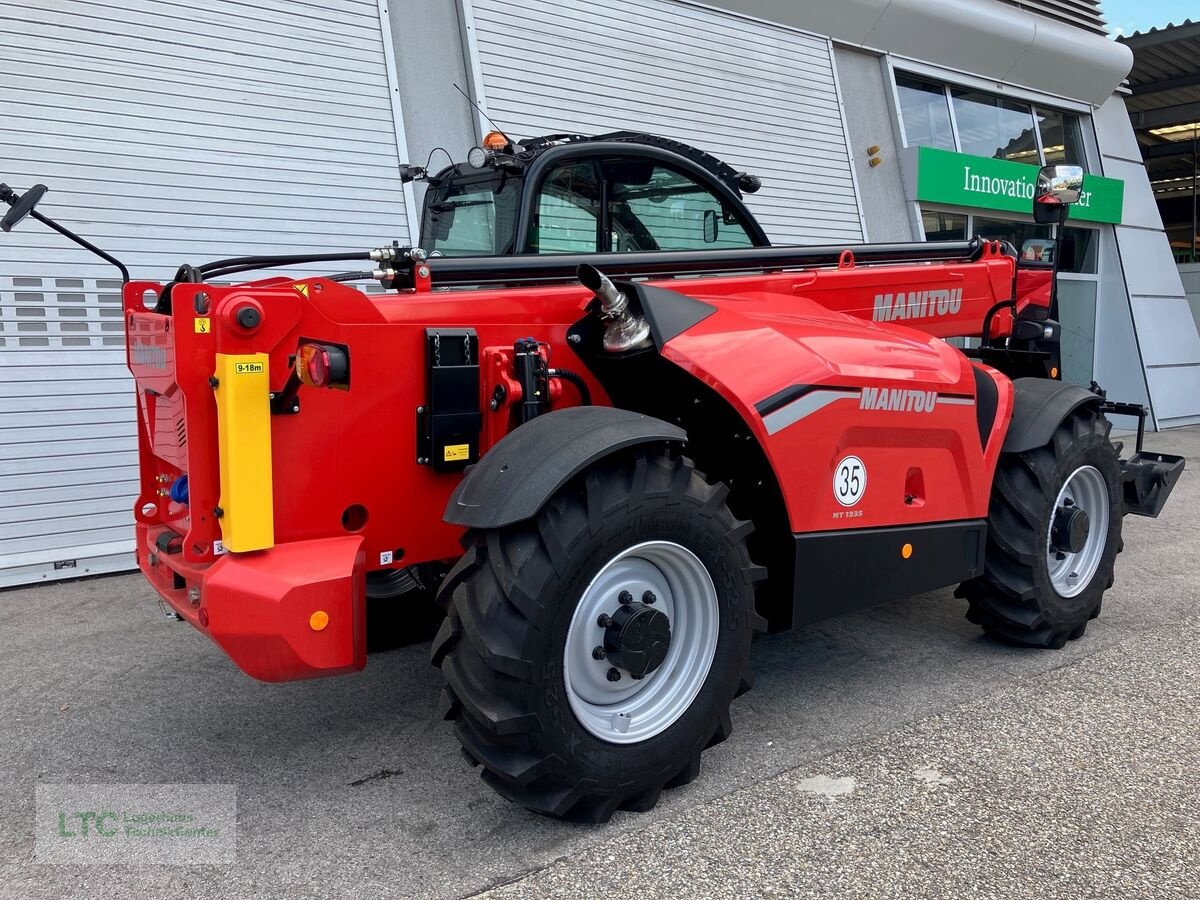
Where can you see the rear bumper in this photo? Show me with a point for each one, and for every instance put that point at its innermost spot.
(1147, 479)
(264, 608)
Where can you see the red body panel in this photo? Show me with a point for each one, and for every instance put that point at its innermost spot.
(933, 456)
(770, 333)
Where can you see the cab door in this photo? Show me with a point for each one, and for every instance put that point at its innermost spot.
(629, 204)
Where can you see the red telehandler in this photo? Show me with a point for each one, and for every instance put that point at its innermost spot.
(619, 443)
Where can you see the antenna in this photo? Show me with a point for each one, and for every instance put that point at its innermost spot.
(479, 110)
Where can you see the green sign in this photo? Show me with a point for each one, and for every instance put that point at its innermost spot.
(958, 179)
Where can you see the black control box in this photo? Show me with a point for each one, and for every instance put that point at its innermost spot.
(449, 423)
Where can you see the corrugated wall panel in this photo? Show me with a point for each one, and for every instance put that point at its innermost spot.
(168, 131)
(1080, 13)
(761, 97)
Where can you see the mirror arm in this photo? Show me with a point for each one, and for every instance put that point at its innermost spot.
(84, 243)
(1056, 234)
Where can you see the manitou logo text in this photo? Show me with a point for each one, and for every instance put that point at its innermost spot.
(897, 400)
(917, 304)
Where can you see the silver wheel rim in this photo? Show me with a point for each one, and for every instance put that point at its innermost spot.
(632, 710)
(1073, 572)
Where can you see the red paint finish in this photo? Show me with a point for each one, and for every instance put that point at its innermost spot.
(260, 606)
(854, 328)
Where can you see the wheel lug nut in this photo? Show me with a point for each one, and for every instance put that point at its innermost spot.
(604, 621)
(599, 653)
(613, 675)
(624, 598)
(648, 597)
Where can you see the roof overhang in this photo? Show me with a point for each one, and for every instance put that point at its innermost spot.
(1164, 107)
(978, 37)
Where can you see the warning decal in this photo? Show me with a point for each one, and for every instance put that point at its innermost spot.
(456, 452)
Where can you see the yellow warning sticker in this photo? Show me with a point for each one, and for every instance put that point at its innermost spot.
(203, 326)
(456, 452)
(249, 368)
(302, 288)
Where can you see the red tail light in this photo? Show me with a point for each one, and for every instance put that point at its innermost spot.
(323, 365)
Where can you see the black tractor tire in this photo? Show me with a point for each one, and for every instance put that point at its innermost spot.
(509, 605)
(1015, 600)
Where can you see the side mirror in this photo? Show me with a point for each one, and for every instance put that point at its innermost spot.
(1057, 188)
(710, 226)
(22, 204)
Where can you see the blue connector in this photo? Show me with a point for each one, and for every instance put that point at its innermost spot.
(179, 490)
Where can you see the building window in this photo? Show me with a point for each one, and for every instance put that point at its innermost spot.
(1062, 141)
(982, 124)
(1081, 249)
(925, 112)
(993, 126)
(1027, 237)
(1075, 307)
(943, 226)
(1076, 312)
(1079, 245)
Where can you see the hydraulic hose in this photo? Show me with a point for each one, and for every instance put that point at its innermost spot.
(585, 394)
(220, 267)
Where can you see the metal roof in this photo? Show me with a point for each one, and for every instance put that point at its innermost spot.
(1164, 89)
(1080, 13)
(1165, 80)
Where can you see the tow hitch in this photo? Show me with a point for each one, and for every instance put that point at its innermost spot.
(1146, 478)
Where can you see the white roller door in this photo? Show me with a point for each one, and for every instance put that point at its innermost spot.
(762, 97)
(168, 131)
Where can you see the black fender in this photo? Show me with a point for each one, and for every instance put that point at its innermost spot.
(1039, 405)
(529, 464)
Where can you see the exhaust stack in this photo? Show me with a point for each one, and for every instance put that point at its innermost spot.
(624, 331)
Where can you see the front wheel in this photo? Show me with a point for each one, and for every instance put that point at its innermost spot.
(1054, 531)
(591, 654)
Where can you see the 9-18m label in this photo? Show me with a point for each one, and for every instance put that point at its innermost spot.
(250, 368)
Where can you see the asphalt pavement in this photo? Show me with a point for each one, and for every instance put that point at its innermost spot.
(891, 753)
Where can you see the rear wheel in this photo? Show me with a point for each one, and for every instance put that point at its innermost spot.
(1054, 530)
(591, 654)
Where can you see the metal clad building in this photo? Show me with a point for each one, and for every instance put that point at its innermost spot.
(175, 132)
(168, 132)
(748, 91)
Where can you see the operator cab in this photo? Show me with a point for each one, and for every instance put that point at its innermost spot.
(616, 192)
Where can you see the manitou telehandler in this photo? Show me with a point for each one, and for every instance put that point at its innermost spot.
(624, 439)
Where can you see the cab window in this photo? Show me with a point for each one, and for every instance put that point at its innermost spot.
(630, 204)
(475, 217)
(652, 207)
(566, 219)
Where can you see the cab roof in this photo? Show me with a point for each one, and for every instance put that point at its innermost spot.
(526, 150)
